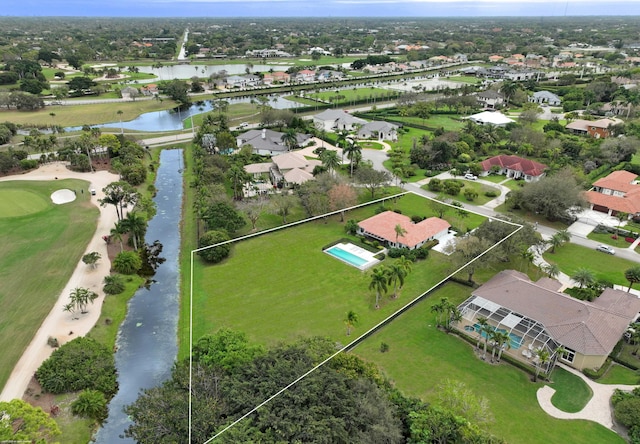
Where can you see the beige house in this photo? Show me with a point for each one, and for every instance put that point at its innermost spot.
(536, 315)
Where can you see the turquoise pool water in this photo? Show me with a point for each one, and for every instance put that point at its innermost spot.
(515, 341)
(346, 256)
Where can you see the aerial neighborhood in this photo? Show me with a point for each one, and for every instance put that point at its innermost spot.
(360, 230)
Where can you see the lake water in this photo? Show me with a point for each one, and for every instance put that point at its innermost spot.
(147, 340)
(172, 120)
(204, 71)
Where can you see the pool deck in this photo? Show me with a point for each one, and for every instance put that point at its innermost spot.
(359, 252)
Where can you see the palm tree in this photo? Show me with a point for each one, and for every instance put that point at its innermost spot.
(396, 275)
(400, 232)
(632, 275)
(527, 256)
(552, 270)
(508, 88)
(583, 277)
(116, 234)
(330, 160)
(136, 226)
(453, 315)
(352, 150)
(119, 113)
(378, 282)
(238, 177)
(543, 358)
(503, 341)
(405, 263)
(487, 329)
(80, 297)
(559, 239)
(482, 322)
(350, 321)
(290, 139)
(438, 309)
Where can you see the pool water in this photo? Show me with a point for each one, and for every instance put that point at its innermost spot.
(346, 256)
(515, 341)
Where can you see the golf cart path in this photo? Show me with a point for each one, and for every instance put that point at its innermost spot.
(598, 409)
(59, 323)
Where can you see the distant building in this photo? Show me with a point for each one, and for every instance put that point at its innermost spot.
(267, 142)
(379, 130)
(336, 120)
(545, 97)
(595, 128)
(491, 118)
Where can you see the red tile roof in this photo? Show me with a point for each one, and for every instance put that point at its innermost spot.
(528, 167)
(618, 181)
(384, 224)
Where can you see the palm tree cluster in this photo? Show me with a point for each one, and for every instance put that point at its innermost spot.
(383, 276)
(79, 298)
(446, 313)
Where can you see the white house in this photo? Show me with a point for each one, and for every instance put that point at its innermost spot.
(545, 97)
(491, 118)
(379, 130)
(336, 120)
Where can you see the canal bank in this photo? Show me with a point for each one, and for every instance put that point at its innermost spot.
(147, 340)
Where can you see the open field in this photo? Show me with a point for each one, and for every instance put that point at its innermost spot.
(283, 297)
(89, 114)
(40, 251)
(421, 356)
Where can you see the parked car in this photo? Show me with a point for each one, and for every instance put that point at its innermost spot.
(92, 191)
(606, 249)
(470, 176)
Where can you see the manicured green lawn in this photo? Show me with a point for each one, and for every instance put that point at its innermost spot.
(39, 253)
(478, 187)
(370, 145)
(90, 114)
(421, 356)
(571, 257)
(572, 393)
(291, 288)
(618, 374)
(606, 238)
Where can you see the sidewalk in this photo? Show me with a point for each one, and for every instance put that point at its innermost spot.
(598, 409)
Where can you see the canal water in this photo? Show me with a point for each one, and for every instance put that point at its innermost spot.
(147, 341)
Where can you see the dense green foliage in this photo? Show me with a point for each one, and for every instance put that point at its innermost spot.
(77, 365)
(90, 404)
(627, 412)
(344, 401)
(127, 262)
(214, 254)
(21, 422)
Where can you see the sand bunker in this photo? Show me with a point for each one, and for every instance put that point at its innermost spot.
(63, 196)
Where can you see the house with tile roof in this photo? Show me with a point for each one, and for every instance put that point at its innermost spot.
(515, 167)
(536, 315)
(267, 142)
(595, 128)
(284, 170)
(490, 99)
(619, 192)
(545, 97)
(382, 227)
(336, 120)
(379, 130)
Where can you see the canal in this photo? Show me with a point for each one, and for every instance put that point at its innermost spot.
(147, 341)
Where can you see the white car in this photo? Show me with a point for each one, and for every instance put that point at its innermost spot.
(606, 249)
(92, 191)
(470, 176)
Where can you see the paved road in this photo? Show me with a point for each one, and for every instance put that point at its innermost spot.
(377, 158)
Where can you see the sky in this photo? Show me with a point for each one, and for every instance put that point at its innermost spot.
(317, 8)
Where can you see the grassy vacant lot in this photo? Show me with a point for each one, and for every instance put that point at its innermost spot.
(92, 114)
(51, 241)
(281, 286)
(478, 187)
(421, 356)
(571, 257)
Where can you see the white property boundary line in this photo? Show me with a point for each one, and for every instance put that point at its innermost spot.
(356, 340)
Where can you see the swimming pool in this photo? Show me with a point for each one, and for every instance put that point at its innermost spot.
(352, 255)
(515, 341)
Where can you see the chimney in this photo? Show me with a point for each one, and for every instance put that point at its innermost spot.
(264, 133)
